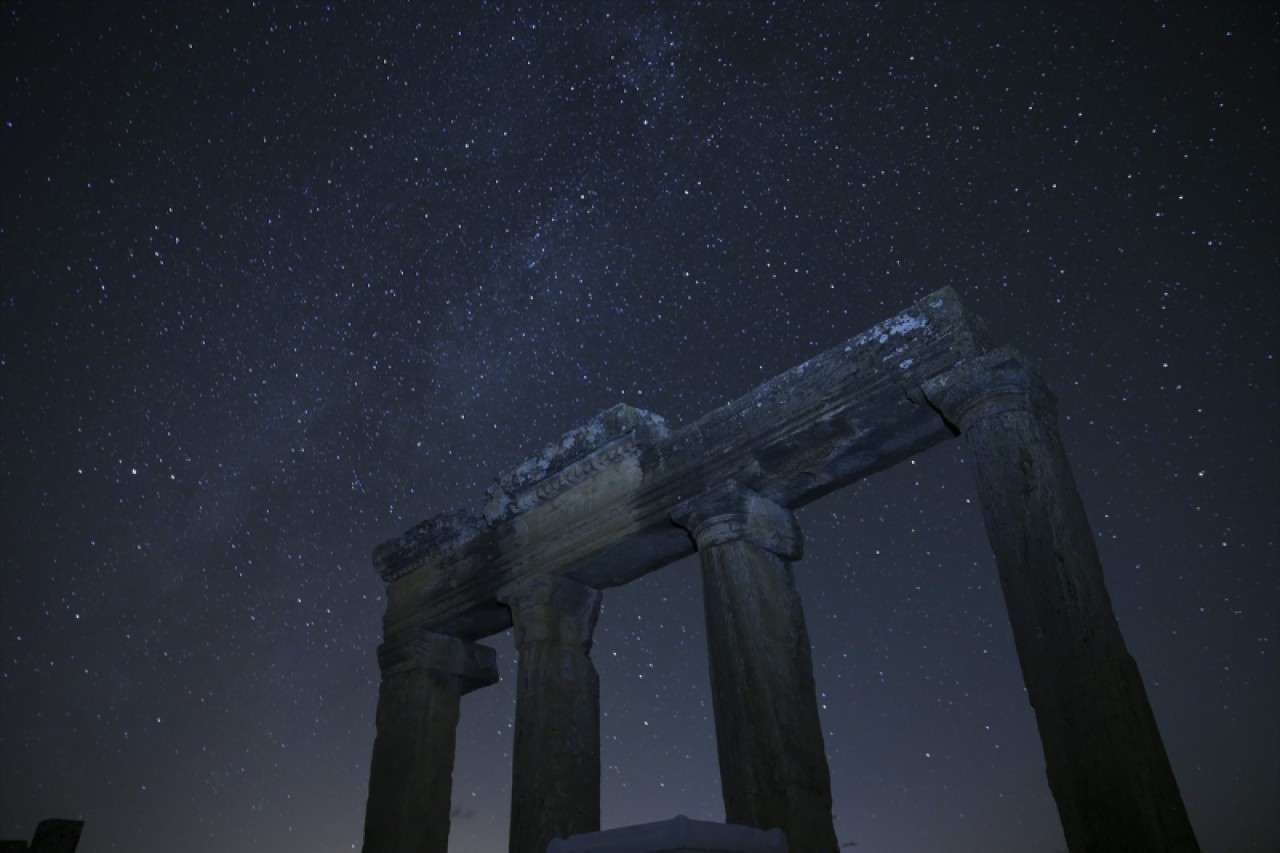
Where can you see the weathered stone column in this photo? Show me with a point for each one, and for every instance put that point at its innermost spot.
(773, 769)
(411, 774)
(555, 786)
(1106, 764)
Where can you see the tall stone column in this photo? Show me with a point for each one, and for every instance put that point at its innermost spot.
(555, 786)
(1106, 764)
(773, 768)
(411, 774)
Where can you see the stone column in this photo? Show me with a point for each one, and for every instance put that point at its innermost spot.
(1106, 764)
(773, 768)
(411, 774)
(555, 786)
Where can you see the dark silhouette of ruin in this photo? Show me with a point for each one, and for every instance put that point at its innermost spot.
(624, 495)
(52, 836)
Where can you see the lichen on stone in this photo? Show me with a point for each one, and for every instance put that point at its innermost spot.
(439, 534)
(504, 496)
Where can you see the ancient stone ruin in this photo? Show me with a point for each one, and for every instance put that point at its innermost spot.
(54, 835)
(626, 494)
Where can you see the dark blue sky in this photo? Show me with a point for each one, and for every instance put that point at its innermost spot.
(279, 280)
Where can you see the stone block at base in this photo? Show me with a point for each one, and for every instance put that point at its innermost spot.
(678, 835)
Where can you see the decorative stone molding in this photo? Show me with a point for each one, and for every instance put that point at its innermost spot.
(545, 608)
(988, 385)
(437, 537)
(471, 664)
(601, 443)
(732, 513)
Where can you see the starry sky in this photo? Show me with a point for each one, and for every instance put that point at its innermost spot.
(280, 280)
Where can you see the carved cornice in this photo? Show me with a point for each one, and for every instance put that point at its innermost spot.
(606, 441)
(602, 442)
(440, 534)
(503, 504)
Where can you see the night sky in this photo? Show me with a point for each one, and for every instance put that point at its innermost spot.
(280, 280)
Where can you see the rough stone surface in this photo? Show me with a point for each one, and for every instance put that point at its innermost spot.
(773, 768)
(596, 510)
(678, 835)
(1107, 766)
(555, 785)
(470, 664)
(411, 773)
(596, 505)
(576, 456)
(438, 535)
(731, 513)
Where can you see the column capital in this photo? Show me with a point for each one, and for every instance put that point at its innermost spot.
(471, 665)
(545, 607)
(999, 381)
(730, 512)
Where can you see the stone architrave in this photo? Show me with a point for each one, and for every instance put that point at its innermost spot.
(555, 784)
(773, 767)
(1106, 764)
(411, 775)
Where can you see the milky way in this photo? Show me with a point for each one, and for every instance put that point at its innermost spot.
(280, 280)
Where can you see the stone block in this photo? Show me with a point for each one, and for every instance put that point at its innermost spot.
(678, 835)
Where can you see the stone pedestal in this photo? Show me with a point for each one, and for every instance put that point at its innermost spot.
(1105, 761)
(411, 774)
(555, 786)
(772, 765)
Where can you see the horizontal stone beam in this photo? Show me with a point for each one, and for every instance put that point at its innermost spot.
(596, 505)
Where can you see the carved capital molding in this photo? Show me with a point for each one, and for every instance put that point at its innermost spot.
(551, 609)
(999, 381)
(470, 664)
(731, 512)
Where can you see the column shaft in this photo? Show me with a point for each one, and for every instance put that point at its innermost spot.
(773, 766)
(411, 773)
(1106, 763)
(555, 788)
